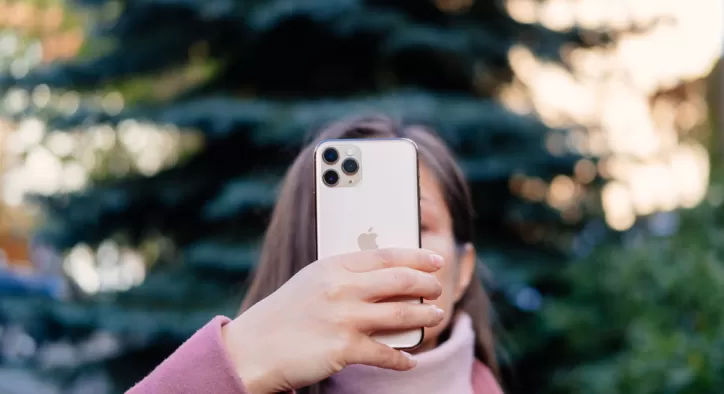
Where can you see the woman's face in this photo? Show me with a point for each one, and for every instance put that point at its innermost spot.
(437, 236)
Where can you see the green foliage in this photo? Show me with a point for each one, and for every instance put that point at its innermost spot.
(646, 318)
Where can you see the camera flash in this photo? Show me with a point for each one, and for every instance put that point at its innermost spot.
(350, 151)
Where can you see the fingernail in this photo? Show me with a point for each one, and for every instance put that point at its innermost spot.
(437, 260)
(409, 357)
(439, 312)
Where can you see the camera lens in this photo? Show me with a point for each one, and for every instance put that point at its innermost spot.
(330, 155)
(350, 166)
(330, 178)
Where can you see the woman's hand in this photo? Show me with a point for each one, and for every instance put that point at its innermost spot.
(320, 320)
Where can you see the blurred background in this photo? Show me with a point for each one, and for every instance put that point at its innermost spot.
(141, 143)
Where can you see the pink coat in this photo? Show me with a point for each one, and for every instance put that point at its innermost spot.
(202, 366)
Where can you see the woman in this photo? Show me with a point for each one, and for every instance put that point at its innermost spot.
(304, 324)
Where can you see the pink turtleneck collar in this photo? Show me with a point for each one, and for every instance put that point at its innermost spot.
(444, 370)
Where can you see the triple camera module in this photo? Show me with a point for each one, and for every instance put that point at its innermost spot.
(349, 166)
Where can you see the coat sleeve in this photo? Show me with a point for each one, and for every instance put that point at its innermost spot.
(200, 366)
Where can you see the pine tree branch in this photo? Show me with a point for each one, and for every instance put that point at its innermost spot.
(369, 43)
(131, 321)
(213, 190)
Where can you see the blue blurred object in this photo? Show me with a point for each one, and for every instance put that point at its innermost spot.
(528, 299)
(17, 284)
(664, 224)
(18, 381)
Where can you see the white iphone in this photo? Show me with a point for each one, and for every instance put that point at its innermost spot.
(367, 197)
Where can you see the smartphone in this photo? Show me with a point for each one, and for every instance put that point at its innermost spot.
(367, 197)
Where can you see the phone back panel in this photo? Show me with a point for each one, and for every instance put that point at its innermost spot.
(377, 207)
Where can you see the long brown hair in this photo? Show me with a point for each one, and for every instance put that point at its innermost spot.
(289, 244)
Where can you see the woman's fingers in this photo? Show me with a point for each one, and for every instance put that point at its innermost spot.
(395, 316)
(395, 282)
(369, 352)
(370, 260)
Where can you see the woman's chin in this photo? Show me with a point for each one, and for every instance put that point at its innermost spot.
(429, 342)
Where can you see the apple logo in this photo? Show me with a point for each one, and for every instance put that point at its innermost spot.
(368, 240)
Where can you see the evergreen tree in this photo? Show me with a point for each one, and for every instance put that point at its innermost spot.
(235, 87)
